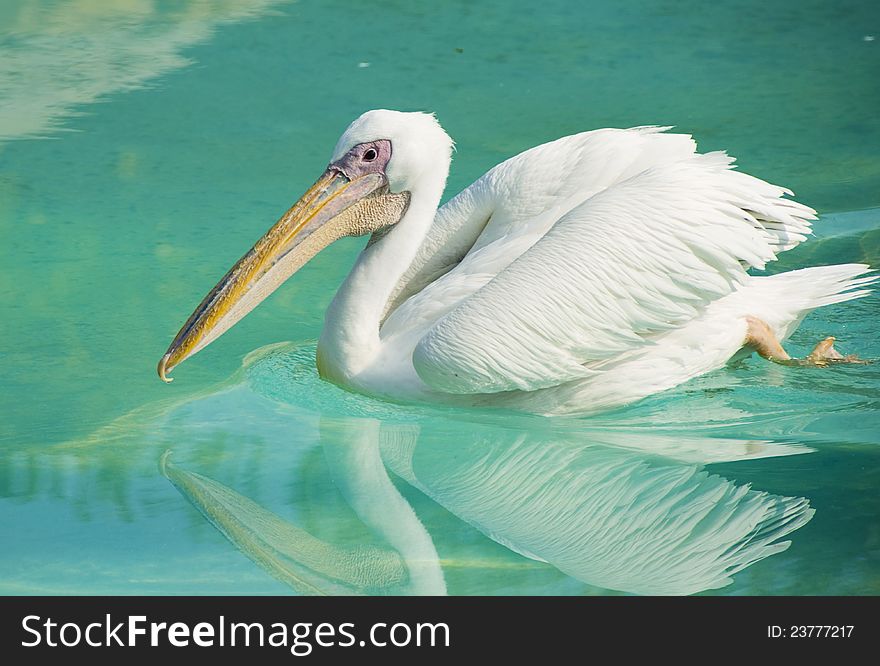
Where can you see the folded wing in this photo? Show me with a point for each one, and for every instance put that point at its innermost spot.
(581, 251)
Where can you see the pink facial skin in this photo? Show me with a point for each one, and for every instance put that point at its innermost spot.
(363, 159)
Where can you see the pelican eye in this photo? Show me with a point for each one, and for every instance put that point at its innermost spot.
(370, 155)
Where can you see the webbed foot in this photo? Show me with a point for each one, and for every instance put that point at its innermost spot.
(761, 338)
(824, 354)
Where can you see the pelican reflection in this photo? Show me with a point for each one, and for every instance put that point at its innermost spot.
(633, 512)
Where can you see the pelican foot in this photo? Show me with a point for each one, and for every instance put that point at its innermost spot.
(824, 354)
(761, 338)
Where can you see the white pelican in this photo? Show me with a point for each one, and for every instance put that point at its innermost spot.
(582, 274)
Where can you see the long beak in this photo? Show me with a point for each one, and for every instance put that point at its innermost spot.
(311, 224)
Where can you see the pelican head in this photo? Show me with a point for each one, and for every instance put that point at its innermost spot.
(366, 188)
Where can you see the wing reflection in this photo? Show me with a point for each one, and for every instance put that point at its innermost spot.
(608, 516)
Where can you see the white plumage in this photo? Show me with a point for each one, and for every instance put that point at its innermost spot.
(579, 275)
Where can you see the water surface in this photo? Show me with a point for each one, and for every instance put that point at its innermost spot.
(144, 145)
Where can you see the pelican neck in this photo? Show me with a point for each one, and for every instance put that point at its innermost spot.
(350, 337)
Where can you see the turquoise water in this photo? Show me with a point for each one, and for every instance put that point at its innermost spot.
(144, 145)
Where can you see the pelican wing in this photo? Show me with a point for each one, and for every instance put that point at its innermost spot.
(525, 195)
(622, 238)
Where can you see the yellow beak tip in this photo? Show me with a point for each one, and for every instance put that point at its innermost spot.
(162, 369)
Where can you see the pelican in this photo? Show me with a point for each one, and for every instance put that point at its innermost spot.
(580, 275)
